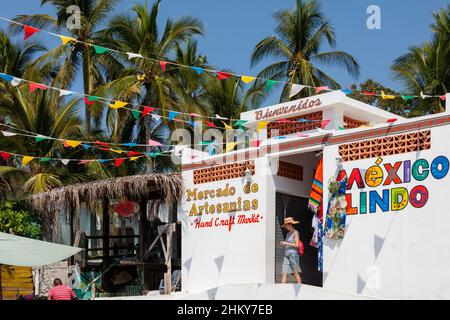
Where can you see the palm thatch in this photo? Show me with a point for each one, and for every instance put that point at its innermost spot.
(155, 188)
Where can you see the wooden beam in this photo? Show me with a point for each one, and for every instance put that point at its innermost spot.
(143, 229)
(105, 209)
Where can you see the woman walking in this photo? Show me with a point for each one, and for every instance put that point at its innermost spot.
(291, 261)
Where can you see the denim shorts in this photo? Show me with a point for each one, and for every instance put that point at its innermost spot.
(291, 263)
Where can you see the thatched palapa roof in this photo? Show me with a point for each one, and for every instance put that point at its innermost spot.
(161, 188)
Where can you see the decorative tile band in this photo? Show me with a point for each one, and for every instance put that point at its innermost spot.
(285, 128)
(224, 172)
(386, 146)
(290, 170)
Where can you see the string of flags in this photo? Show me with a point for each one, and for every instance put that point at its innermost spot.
(221, 75)
(146, 110)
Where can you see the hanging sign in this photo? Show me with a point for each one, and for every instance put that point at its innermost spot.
(126, 208)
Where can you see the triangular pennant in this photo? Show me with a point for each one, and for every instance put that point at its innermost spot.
(407, 97)
(369, 93)
(5, 155)
(443, 97)
(147, 110)
(72, 143)
(87, 102)
(172, 115)
(132, 55)
(220, 117)
(154, 154)
(261, 125)
(40, 138)
(210, 124)
(269, 84)
(295, 89)
(197, 69)
(9, 134)
(156, 117)
(391, 120)
(130, 144)
(324, 123)
(247, 79)
(230, 146)
(118, 104)
(118, 162)
(322, 88)
(6, 77)
(205, 143)
(92, 98)
(239, 123)
(134, 158)
(63, 93)
(99, 49)
(228, 127)
(15, 81)
(154, 143)
(29, 31)
(163, 65)
(347, 91)
(26, 160)
(223, 75)
(44, 160)
(424, 96)
(84, 161)
(136, 114)
(387, 96)
(65, 161)
(101, 143)
(66, 40)
(34, 86)
(133, 153)
(86, 146)
(116, 151)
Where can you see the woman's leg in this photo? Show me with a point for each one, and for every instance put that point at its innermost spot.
(283, 277)
(298, 279)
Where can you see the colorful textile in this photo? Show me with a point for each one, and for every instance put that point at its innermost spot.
(315, 197)
(320, 246)
(337, 207)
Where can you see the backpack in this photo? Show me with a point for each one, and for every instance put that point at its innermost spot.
(301, 248)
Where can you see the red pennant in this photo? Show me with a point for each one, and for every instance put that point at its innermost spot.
(100, 143)
(442, 97)
(255, 143)
(223, 75)
(5, 155)
(118, 162)
(83, 162)
(368, 93)
(29, 31)
(34, 86)
(163, 65)
(391, 120)
(87, 102)
(133, 153)
(319, 89)
(210, 124)
(283, 120)
(147, 110)
(324, 123)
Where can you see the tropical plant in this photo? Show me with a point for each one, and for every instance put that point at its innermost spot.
(17, 218)
(426, 68)
(300, 36)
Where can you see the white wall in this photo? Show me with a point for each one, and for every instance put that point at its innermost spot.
(394, 254)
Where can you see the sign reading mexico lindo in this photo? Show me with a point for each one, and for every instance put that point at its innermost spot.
(244, 208)
(412, 175)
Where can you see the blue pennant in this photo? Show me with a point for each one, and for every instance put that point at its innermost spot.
(172, 115)
(347, 91)
(130, 144)
(197, 69)
(86, 146)
(6, 77)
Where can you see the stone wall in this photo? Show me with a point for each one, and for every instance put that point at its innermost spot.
(48, 273)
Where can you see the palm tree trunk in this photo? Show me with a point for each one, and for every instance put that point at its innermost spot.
(87, 85)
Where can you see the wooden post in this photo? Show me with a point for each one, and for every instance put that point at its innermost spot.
(105, 206)
(71, 224)
(168, 275)
(143, 228)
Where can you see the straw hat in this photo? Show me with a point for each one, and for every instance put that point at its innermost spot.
(289, 220)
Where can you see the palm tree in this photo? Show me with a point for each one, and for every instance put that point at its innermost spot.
(300, 36)
(426, 68)
(95, 67)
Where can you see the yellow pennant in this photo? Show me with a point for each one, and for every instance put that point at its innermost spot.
(134, 158)
(230, 146)
(116, 151)
(228, 127)
(26, 160)
(262, 125)
(387, 96)
(247, 79)
(73, 143)
(66, 40)
(118, 104)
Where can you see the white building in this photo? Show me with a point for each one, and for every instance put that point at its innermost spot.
(397, 235)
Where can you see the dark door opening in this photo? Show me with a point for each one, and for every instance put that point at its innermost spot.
(296, 207)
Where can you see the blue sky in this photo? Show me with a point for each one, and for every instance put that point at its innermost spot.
(233, 27)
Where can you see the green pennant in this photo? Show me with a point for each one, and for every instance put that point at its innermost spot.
(404, 97)
(341, 128)
(42, 160)
(269, 84)
(99, 49)
(136, 114)
(93, 98)
(239, 123)
(205, 142)
(154, 154)
(39, 139)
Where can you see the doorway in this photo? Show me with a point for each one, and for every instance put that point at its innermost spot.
(296, 207)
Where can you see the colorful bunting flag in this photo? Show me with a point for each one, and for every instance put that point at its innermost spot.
(228, 127)
(86, 146)
(84, 161)
(43, 160)
(29, 31)
(100, 143)
(63, 93)
(261, 125)
(210, 124)
(71, 143)
(220, 117)
(172, 115)
(406, 97)
(133, 153)
(205, 143)
(130, 144)
(136, 114)
(223, 75)
(322, 88)
(15, 81)
(197, 69)
(147, 110)
(163, 65)
(369, 93)
(391, 120)
(443, 97)
(154, 154)
(40, 138)
(65, 161)
(35, 86)
(156, 117)
(134, 158)
(295, 89)
(9, 134)
(66, 40)
(247, 79)
(230, 146)
(118, 162)
(5, 155)
(132, 55)
(153, 143)
(347, 91)
(87, 102)
(239, 123)
(269, 84)
(26, 160)
(99, 49)
(116, 151)
(6, 77)
(324, 123)
(118, 104)
(387, 96)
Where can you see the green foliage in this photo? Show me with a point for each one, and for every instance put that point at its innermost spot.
(17, 218)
